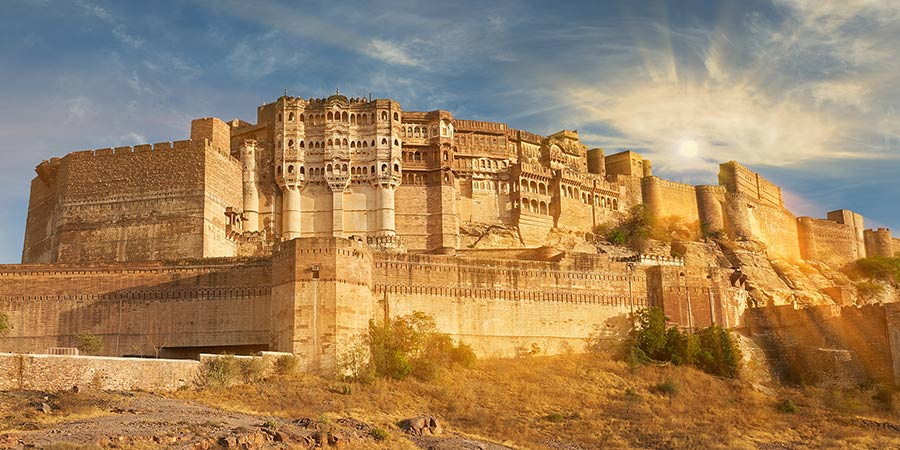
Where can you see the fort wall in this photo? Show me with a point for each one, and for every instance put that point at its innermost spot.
(667, 199)
(827, 241)
(138, 308)
(879, 242)
(801, 342)
(501, 306)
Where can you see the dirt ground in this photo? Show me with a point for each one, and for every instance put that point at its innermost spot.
(143, 420)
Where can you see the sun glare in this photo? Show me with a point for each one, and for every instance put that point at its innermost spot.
(689, 149)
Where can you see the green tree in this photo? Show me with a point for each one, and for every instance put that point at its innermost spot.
(719, 352)
(712, 349)
(89, 344)
(650, 333)
(411, 344)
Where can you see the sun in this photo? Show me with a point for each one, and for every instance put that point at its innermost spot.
(689, 149)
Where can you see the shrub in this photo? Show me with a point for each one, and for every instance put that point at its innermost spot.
(869, 290)
(786, 406)
(411, 345)
(379, 434)
(286, 364)
(875, 267)
(219, 371)
(555, 417)
(712, 349)
(251, 369)
(667, 387)
(89, 344)
(634, 231)
(719, 352)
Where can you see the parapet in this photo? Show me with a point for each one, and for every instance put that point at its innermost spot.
(213, 131)
(627, 163)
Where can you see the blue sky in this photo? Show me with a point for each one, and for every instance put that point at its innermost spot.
(804, 91)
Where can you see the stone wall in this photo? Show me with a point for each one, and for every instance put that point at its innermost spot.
(60, 373)
(827, 241)
(666, 199)
(499, 306)
(802, 343)
(175, 309)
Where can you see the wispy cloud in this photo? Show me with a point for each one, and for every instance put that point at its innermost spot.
(119, 30)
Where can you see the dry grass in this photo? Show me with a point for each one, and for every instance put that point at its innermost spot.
(580, 401)
(21, 411)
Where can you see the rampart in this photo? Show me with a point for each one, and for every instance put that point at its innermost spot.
(879, 242)
(806, 344)
(145, 309)
(147, 202)
(827, 241)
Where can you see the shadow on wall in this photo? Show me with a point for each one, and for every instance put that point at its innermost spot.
(173, 310)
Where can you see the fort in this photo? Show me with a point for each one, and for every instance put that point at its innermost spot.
(292, 233)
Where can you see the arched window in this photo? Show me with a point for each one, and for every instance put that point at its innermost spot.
(352, 144)
(384, 168)
(416, 132)
(279, 117)
(446, 155)
(396, 117)
(291, 169)
(396, 143)
(424, 132)
(344, 168)
(534, 186)
(279, 170)
(384, 116)
(396, 167)
(534, 206)
(373, 170)
(344, 117)
(365, 170)
(615, 204)
(290, 142)
(330, 116)
(302, 119)
(365, 119)
(302, 145)
(329, 169)
(365, 145)
(417, 156)
(373, 142)
(330, 143)
(345, 142)
(302, 170)
(383, 141)
(291, 117)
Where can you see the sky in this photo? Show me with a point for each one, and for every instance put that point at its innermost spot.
(806, 92)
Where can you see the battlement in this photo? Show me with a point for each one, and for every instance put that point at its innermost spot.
(461, 125)
(525, 136)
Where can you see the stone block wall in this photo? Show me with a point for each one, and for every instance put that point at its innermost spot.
(61, 373)
(827, 241)
(144, 309)
(499, 306)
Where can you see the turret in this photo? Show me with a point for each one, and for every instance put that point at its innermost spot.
(250, 187)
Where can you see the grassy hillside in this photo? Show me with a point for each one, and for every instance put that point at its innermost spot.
(584, 402)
